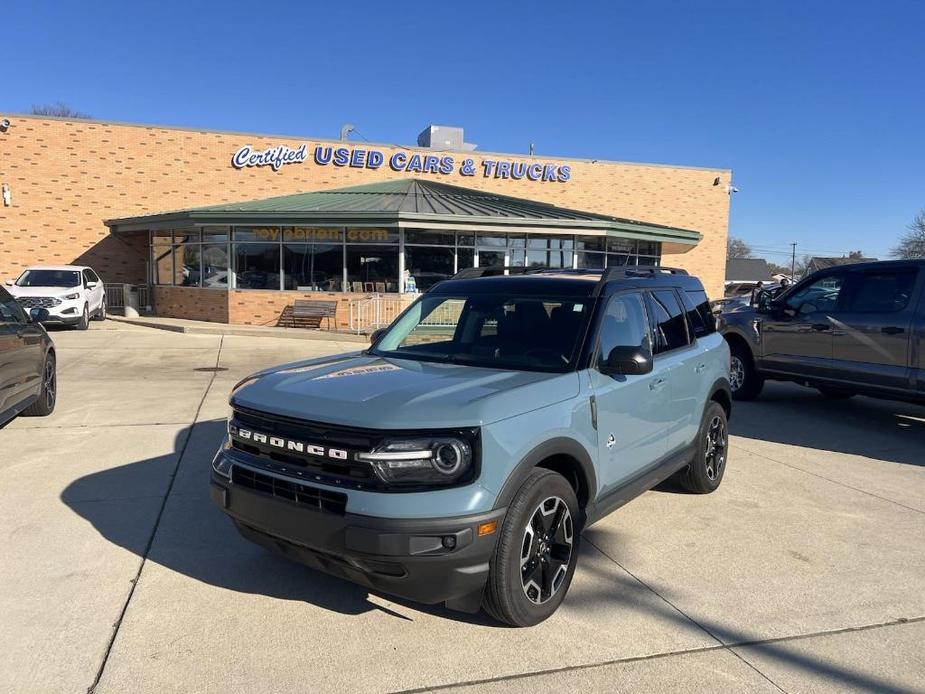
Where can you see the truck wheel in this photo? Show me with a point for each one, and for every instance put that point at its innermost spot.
(744, 382)
(537, 551)
(84, 321)
(45, 404)
(705, 472)
(836, 393)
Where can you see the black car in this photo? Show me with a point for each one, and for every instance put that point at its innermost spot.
(28, 382)
(855, 329)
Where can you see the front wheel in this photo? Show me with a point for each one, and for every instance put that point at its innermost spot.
(705, 472)
(744, 381)
(536, 554)
(48, 395)
(84, 321)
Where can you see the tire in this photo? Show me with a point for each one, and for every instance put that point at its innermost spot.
(744, 381)
(524, 592)
(101, 314)
(705, 473)
(836, 393)
(45, 404)
(84, 322)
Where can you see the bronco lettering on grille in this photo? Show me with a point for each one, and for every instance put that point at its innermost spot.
(286, 444)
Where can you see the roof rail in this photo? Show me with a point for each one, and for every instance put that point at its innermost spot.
(628, 271)
(495, 270)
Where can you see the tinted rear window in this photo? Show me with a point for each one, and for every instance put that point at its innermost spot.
(699, 315)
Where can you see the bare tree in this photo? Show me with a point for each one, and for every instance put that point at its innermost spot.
(737, 248)
(59, 110)
(912, 243)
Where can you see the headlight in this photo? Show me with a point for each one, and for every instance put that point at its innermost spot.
(437, 460)
(72, 296)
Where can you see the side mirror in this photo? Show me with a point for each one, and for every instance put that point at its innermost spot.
(376, 334)
(9, 283)
(629, 361)
(38, 314)
(91, 285)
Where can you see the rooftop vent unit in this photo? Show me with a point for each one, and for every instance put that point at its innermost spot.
(444, 137)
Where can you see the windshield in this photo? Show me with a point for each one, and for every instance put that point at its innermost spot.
(528, 333)
(49, 278)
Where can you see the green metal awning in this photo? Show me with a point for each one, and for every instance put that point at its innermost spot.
(409, 204)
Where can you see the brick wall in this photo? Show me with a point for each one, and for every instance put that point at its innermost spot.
(66, 177)
(192, 302)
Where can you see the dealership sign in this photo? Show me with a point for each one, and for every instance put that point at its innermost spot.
(405, 161)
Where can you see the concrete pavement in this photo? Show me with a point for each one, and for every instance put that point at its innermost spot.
(804, 572)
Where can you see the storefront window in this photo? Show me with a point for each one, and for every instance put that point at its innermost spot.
(313, 266)
(428, 265)
(590, 261)
(215, 234)
(162, 257)
(187, 265)
(430, 238)
(256, 265)
(257, 233)
(215, 265)
(590, 243)
(372, 268)
(314, 234)
(465, 257)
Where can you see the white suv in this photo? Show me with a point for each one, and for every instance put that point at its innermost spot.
(72, 294)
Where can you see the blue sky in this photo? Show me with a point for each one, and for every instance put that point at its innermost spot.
(817, 106)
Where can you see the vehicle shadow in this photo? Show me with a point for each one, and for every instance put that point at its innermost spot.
(797, 416)
(189, 535)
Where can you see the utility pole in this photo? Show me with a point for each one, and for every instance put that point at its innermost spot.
(793, 260)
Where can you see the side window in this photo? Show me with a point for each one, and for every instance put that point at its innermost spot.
(92, 276)
(668, 321)
(699, 316)
(624, 325)
(821, 295)
(880, 292)
(87, 278)
(10, 310)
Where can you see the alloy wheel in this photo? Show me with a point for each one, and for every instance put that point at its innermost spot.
(50, 384)
(546, 550)
(736, 373)
(715, 448)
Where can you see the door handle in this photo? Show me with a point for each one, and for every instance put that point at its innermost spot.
(699, 369)
(656, 385)
(892, 330)
(821, 327)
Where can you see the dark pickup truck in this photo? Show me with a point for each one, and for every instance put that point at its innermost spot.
(855, 329)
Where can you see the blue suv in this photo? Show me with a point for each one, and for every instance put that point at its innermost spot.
(459, 457)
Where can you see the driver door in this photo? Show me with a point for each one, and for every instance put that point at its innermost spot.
(797, 333)
(633, 411)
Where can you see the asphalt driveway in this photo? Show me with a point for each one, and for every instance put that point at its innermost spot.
(804, 572)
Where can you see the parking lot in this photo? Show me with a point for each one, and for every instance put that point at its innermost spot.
(804, 572)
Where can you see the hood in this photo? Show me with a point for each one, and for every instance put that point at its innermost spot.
(42, 291)
(376, 393)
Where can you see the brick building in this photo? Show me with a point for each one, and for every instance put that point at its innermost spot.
(201, 216)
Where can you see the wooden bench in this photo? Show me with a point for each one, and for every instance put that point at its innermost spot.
(307, 313)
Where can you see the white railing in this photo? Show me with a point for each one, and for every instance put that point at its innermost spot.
(377, 311)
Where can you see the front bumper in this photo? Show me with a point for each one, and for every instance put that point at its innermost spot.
(409, 558)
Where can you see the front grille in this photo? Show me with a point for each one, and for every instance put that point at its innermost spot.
(349, 473)
(302, 494)
(38, 301)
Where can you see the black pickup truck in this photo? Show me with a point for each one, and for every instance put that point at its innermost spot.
(855, 329)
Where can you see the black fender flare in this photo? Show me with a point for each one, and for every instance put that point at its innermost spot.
(721, 385)
(560, 445)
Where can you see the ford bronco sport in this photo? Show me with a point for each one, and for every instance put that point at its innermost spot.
(459, 457)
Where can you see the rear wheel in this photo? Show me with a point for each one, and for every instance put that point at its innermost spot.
(84, 321)
(101, 314)
(744, 381)
(537, 551)
(705, 472)
(48, 395)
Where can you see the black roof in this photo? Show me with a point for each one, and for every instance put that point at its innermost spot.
(875, 265)
(564, 282)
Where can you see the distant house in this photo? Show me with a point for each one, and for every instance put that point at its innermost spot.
(747, 270)
(816, 263)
